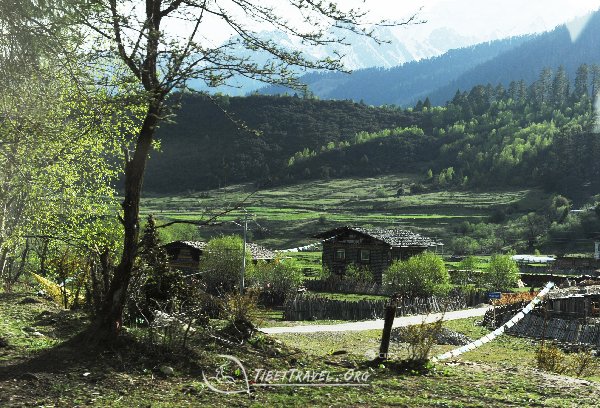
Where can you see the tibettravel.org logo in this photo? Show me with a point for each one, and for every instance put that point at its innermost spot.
(231, 377)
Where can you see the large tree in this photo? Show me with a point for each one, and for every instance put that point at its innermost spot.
(164, 44)
(57, 133)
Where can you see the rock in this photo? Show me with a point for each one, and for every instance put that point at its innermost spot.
(29, 300)
(37, 334)
(29, 377)
(166, 370)
(445, 336)
(29, 329)
(450, 337)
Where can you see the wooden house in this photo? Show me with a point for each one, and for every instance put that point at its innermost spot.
(186, 255)
(375, 248)
(574, 302)
(578, 306)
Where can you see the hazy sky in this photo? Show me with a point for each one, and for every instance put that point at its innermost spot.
(477, 18)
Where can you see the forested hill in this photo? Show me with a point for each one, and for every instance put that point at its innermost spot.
(537, 135)
(561, 47)
(215, 142)
(438, 78)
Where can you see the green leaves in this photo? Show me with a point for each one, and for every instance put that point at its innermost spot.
(421, 275)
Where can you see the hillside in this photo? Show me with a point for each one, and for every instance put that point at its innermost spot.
(498, 62)
(537, 135)
(229, 140)
(288, 216)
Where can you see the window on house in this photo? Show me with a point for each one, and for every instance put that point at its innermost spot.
(340, 254)
(365, 255)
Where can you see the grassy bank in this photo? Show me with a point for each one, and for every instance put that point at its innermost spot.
(54, 370)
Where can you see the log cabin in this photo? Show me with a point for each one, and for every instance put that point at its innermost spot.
(185, 255)
(375, 248)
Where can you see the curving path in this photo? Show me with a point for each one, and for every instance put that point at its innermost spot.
(378, 324)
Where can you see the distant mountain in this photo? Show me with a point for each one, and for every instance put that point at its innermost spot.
(361, 53)
(438, 78)
(564, 46)
(405, 84)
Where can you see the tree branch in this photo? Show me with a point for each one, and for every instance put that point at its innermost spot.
(211, 219)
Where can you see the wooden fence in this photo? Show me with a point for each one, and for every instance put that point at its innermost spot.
(308, 307)
(340, 286)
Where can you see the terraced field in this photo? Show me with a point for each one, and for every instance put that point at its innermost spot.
(288, 216)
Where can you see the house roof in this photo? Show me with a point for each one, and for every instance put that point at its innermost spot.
(200, 245)
(393, 237)
(574, 291)
(258, 252)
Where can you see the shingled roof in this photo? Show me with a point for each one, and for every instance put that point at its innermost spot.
(393, 237)
(258, 252)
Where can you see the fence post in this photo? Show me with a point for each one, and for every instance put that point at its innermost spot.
(390, 314)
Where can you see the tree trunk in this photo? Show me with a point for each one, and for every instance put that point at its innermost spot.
(109, 321)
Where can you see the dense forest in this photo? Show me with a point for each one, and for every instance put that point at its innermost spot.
(217, 141)
(541, 134)
(489, 136)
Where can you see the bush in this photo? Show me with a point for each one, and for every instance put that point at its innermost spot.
(240, 311)
(420, 339)
(502, 273)
(275, 280)
(465, 272)
(359, 273)
(324, 274)
(221, 264)
(380, 193)
(550, 358)
(422, 275)
(464, 246)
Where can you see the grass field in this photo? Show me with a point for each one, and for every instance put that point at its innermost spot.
(288, 216)
(52, 371)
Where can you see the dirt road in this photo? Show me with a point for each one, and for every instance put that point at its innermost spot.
(377, 324)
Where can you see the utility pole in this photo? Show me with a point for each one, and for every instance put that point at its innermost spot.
(244, 253)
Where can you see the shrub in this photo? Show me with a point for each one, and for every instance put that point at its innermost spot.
(502, 273)
(465, 272)
(583, 364)
(221, 264)
(550, 358)
(240, 310)
(380, 193)
(420, 276)
(359, 273)
(275, 279)
(417, 188)
(419, 339)
(324, 274)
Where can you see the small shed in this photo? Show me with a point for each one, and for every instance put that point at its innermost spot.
(375, 248)
(186, 255)
(575, 302)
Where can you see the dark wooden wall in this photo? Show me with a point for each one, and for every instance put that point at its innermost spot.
(381, 254)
